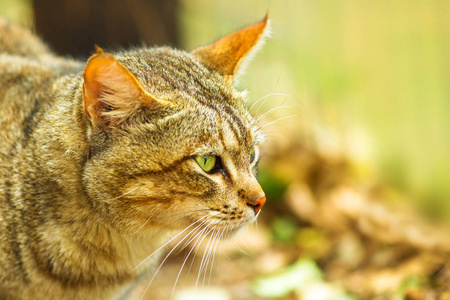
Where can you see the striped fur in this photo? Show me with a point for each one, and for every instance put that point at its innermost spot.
(82, 205)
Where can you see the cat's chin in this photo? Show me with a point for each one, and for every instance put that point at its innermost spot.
(224, 233)
(231, 230)
(232, 233)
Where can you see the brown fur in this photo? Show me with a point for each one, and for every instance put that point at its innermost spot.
(97, 163)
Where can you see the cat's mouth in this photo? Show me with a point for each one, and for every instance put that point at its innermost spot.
(220, 222)
(222, 232)
(226, 226)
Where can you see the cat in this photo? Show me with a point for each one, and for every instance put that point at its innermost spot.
(103, 162)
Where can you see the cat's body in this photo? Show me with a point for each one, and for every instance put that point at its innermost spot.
(98, 161)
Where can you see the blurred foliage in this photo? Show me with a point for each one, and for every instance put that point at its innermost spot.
(304, 278)
(297, 276)
(273, 185)
(284, 230)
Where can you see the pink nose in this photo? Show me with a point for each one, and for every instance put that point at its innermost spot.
(258, 204)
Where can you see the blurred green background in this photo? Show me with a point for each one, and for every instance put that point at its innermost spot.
(374, 72)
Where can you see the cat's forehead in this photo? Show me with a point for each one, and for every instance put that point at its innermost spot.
(209, 115)
(173, 74)
(212, 129)
(232, 130)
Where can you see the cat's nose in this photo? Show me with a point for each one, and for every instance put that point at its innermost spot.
(258, 203)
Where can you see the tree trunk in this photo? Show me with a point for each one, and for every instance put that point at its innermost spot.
(74, 27)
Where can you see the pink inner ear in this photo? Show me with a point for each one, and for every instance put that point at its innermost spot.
(111, 92)
(94, 84)
(225, 55)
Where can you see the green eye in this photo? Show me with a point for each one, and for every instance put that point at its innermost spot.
(252, 154)
(207, 163)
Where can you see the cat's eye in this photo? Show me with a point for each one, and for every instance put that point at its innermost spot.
(252, 155)
(206, 162)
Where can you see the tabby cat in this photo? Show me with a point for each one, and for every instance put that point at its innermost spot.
(102, 162)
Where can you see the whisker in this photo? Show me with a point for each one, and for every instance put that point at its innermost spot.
(279, 136)
(270, 111)
(224, 238)
(193, 237)
(237, 248)
(206, 258)
(197, 243)
(184, 213)
(184, 262)
(142, 226)
(228, 232)
(219, 236)
(210, 252)
(207, 251)
(194, 233)
(164, 260)
(278, 120)
(243, 242)
(265, 97)
(203, 257)
(229, 258)
(204, 222)
(216, 239)
(148, 257)
(124, 194)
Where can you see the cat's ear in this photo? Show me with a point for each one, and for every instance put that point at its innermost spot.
(111, 92)
(227, 55)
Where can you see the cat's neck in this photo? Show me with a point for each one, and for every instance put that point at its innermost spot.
(99, 252)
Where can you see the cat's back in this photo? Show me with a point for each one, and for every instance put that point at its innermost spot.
(28, 70)
(20, 41)
(20, 53)
(24, 58)
(20, 80)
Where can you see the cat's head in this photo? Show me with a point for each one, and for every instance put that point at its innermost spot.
(171, 142)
